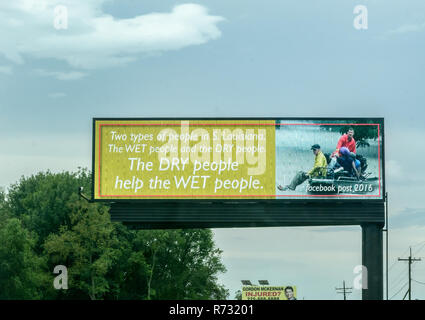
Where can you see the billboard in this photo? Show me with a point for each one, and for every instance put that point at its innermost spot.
(236, 159)
(269, 293)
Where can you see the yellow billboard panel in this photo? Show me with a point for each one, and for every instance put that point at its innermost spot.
(269, 293)
(237, 159)
(175, 159)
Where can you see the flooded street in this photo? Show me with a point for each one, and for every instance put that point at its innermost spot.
(293, 154)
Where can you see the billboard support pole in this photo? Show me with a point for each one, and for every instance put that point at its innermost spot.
(386, 245)
(372, 259)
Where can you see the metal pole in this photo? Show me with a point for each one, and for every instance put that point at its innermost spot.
(372, 259)
(386, 243)
(410, 274)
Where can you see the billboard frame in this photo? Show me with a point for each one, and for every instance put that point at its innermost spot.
(248, 200)
(369, 214)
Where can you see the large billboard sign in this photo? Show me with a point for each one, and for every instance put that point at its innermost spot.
(269, 293)
(236, 159)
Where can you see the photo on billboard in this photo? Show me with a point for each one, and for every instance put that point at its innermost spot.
(329, 158)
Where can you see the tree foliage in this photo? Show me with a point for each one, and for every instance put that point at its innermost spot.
(88, 248)
(186, 264)
(21, 273)
(362, 133)
(41, 201)
(44, 223)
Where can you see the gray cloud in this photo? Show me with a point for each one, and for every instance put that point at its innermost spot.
(57, 95)
(64, 76)
(408, 28)
(6, 70)
(94, 39)
(409, 217)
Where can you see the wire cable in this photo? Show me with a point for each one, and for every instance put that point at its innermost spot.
(419, 250)
(396, 260)
(399, 279)
(399, 290)
(419, 243)
(420, 282)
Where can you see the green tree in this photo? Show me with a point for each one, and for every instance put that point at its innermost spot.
(88, 248)
(187, 266)
(105, 260)
(41, 201)
(173, 264)
(361, 133)
(21, 273)
(4, 215)
(141, 264)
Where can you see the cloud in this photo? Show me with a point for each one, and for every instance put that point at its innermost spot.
(65, 76)
(409, 217)
(95, 39)
(394, 169)
(57, 95)
(28, 154)
(408, 28)
(6, 70)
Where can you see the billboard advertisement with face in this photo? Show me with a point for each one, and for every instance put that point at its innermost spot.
(269, 293)
(237, 159)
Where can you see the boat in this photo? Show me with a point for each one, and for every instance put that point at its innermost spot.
(343, 182)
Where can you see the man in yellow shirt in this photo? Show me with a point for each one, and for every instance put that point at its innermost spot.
(318, 170)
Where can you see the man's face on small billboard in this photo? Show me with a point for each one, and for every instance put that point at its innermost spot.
(350, 134)
(289, 293)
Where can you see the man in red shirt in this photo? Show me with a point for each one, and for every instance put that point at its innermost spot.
(347, 141)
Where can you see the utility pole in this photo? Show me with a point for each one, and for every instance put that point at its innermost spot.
(344, 290)
(410, 260)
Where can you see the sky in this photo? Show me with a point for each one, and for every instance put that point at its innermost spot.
(226, 58)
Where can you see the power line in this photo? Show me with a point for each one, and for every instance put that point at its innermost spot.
(405, 251)
(395, 262)
(404, 297)
(399, 280)
(419, 243)
(419, 250)
(410, 260)
(344, 290)
(399, 290)
(420, 282)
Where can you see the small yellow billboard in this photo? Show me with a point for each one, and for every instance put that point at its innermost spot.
(269, 293)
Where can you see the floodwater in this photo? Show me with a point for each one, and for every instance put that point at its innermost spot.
(293, 153)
